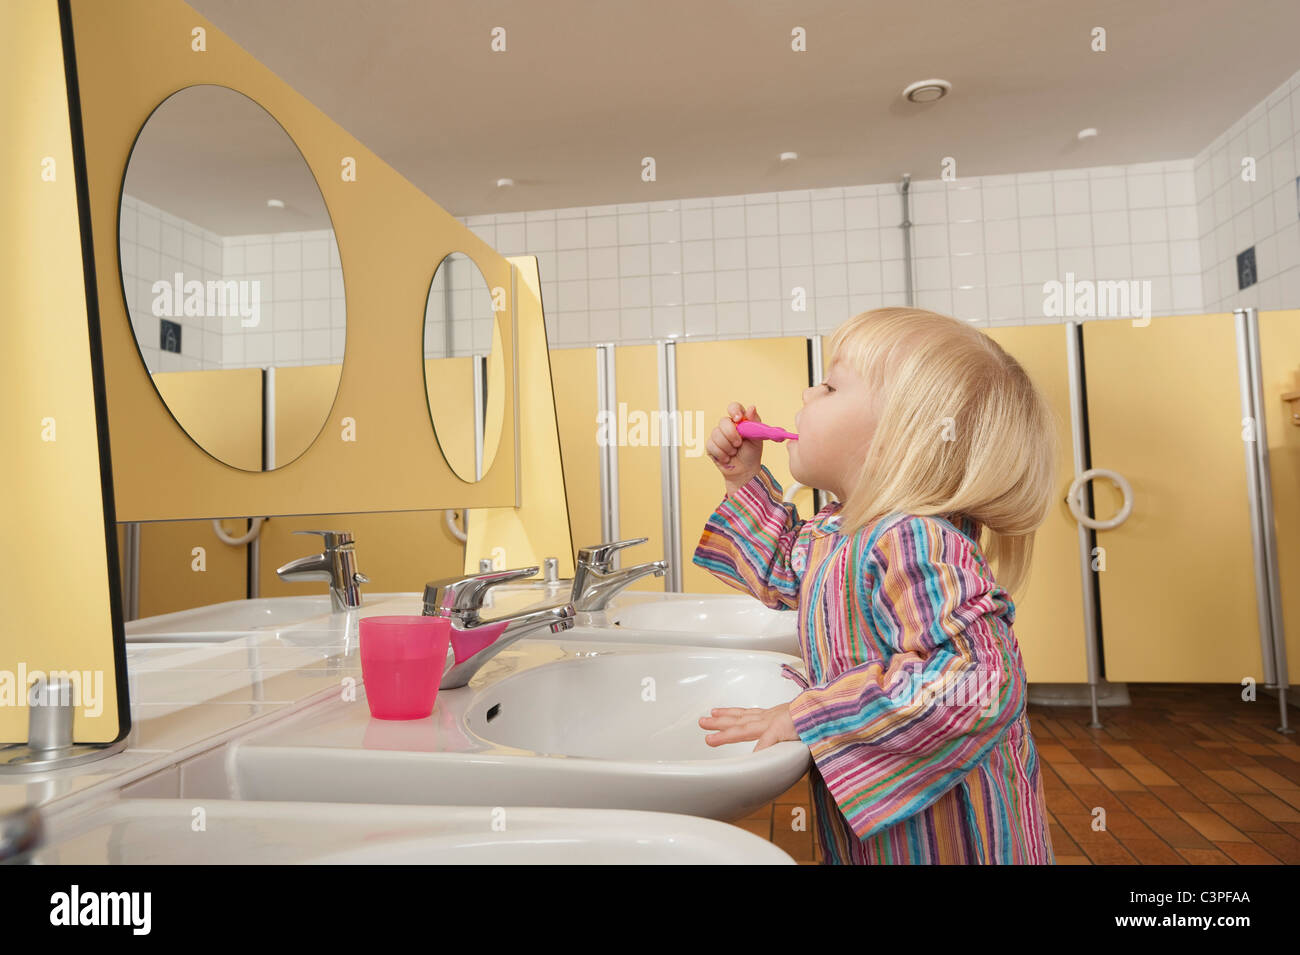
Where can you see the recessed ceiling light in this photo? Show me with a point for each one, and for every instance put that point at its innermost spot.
(505, 183)
(275, 203)
(1087, 133)
(926, 91)
(789, 157)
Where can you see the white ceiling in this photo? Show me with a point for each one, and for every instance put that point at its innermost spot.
(711, 89)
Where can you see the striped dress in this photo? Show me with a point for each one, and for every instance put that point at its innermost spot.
(914, 703)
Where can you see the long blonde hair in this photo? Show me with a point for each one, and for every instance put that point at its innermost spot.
(962, 431)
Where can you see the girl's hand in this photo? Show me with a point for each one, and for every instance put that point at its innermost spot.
(737, 458)
(737, 724)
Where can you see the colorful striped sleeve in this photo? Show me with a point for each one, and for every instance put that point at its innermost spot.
(890, 739)
(749, 540)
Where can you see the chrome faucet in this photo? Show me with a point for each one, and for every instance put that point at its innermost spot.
(595, 581)
(337, 566)
(461, 599)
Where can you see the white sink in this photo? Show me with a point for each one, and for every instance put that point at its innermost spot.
(160, 832)
(234, 618)
(734, 622)
(544, 723)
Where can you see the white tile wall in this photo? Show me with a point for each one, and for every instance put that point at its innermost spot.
(300, 279)
(795, 263)
(1235, 214)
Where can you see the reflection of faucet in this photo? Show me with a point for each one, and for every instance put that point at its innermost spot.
(595, 580)
(461, 599)
(337, 566)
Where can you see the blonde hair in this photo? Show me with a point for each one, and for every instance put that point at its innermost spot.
(962, 431)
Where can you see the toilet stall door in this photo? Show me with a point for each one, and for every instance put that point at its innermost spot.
(1177, 592)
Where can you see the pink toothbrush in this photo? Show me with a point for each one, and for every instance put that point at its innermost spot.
(759, 431)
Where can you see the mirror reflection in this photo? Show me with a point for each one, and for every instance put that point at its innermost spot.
(464, 372)
(231, 276)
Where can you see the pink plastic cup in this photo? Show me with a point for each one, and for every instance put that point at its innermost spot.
(402, 660)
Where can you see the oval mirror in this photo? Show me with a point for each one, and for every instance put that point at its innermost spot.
(464, 371)
(231, 276)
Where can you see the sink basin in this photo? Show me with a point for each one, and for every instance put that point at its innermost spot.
(234, 618)
(144, 832)
(544, 723)
(734, 622)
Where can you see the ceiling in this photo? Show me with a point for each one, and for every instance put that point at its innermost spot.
(712, 90)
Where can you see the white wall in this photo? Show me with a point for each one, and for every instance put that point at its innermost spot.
(724, 267)
(1235, 214)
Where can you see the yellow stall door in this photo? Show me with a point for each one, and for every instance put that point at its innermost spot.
(1177, 590)
(770, 373)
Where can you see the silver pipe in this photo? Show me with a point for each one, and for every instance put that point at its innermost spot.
(1245, 392)
(607, 406)
(480, 412)
(907, 239)
(131, 571)
(818, 372)
(669, 468)
(1091, 638)
(1264, 487)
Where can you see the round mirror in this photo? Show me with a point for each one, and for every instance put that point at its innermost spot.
(231, 276)
(464, 373)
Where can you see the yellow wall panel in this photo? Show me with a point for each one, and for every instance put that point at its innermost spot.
(173, 577)
(391, 237)
(301, 393)
(449, 389)
(56, 560)
(399, 552)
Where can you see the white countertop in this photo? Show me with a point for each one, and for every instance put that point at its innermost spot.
(186, 699)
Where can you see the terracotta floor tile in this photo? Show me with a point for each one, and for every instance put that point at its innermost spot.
(1205, 857)
(1214, 827)
(1153, 852)
(1118, 780)
(1271, 807)
(1248, 853)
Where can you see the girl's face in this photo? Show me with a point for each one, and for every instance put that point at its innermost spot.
(835, 427)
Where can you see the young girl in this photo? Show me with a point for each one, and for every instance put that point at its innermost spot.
(928, 433)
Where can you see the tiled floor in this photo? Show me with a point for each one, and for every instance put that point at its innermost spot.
(1187, 775)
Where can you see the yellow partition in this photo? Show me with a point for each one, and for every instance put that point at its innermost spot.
(640, 485)
(1049, 608)
(1177, 593)
(576, 408)
(538, 527)
(1279, 346)
(222, 411)
(57, 562)
(377, 451)
(184, 564)
(770, 373)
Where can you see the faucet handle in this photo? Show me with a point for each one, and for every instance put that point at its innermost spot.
(459, 594)
(333, 539)
(601, 556)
